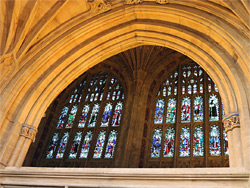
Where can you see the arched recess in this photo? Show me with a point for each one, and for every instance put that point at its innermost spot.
(211, 41)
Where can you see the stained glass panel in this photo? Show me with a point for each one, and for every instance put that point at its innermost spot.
(110, 148)
(213, 108)
(198, 142)
(84, 116)
(117, 114)
(72, 116)
(106, 115)
(75, 145)
(214, 141)
(62, 145)
(99, 145)
(185, 142)
(86, 144)
(156, 143)
(186, 110)
(159, 111)
(93, 116)
(52, 146)
(198, 109)
(226, 153)
(62, 117)
(171, 111)
(169, 143)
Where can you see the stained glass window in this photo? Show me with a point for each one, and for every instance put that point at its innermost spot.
(75, 145)
(169, 143)
(171, 111)
(62, 117)
(93, 116)
(110, 148)
(156, 143)
(86, 144)
(99, 145)
(52, 146)
(198, 142)
(213, 108)
(72, 116)
(83, 117)
(214, 141)
(226, 153)
(185, 142)
(117, 114)
(159, 111)
(186, 110)
(62, 145)
(198, 109)
(106, 115)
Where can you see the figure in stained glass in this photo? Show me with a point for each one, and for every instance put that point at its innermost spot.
(117, 114)
(99, 145)
(106, 115)
(156, 143)
(185, 142)
(198, 142)
(198, 109)
(186, 110)
(62, 146)
(93, 116)
(86, 144)
(214, 141)
(75, 145)
(62, 117)
(169, 143)
(84, 116)
(226, 153)
(171, 111)
(213, 108)
(159, 111)
(52, 146)
(72, 116)
(110, 148)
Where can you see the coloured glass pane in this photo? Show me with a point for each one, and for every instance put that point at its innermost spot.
(93, 116)
(86, 144)
(169, 143)
(214, 141)
(62, 117)
(72, 116)
(84, 116)
(195, 88)
(62, 145)
(75, 145)
(185, 142)
(198, 142)
(171, 111)
(52, 146)
(99, 145)
(110, 148)
(186, 110)
(213, 108)
(117, 114)
(156, 143)
(159, 111)
(198, 109)
(226, 153)
(189, 89)
(106, 115)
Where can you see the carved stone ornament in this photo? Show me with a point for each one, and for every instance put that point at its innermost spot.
(99, 6)
(232, 121)
(133, 2)
(162, 2)
(28, 131)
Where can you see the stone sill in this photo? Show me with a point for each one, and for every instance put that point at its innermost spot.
(123, 177)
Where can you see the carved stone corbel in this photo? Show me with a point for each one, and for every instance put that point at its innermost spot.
(133, 2)
(99, 6)
(232, 121)
(28, 131)
(162, 2)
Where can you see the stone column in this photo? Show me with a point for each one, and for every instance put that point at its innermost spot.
(27, 135)
(232, 128)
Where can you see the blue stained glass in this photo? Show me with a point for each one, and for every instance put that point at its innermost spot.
(214, 141)
(156, 143)
(195, 72)
(75, 145)
(80, 98)
(93, 116)
(62, 117)
(171, 111)
(113, 96)
(92, 97)
(169, 90)
(52, 146)
(108, 95)
(201, 88)
(86, 144)
(213, 108)
(184, 74)
(118, 95)
(72, 116)
(75, 97)
(209, 87)
(111, 144)
(99, 145)
(185, 142)
(62, 146)
(189, 89)
(159, 111)
(223, 111)
(71, 99)
(87, 96)
(169, 143)
(215, 88)
(96, 96)
(84, 116)
(195, 88)
(186, 110)
(198, 143)
(164, 91)
(106, 115)
(101, 96)
(226, 153)
(117, 114)
(198, 109)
